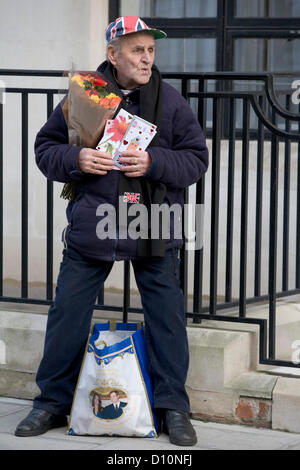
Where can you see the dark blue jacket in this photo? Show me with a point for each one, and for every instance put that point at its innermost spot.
(180, 159)
(109, 412)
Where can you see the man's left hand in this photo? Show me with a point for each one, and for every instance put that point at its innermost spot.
(137, 163)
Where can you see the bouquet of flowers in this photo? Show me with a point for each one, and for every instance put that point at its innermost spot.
(89, 104)
(91, 101)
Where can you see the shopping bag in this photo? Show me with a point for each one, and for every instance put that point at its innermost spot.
(114, 395)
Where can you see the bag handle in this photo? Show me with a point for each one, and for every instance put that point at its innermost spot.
(112, 325)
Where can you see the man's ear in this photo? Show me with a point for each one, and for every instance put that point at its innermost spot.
(112, 54)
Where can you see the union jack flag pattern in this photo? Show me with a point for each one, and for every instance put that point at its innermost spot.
(124, 25)
(129, 24)
(131, 197)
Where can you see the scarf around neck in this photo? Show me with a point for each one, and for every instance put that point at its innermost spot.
(151, 192)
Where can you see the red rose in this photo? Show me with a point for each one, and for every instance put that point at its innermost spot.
(99, 82)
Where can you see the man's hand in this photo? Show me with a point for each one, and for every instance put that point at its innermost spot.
(137, 163)
(95, 162)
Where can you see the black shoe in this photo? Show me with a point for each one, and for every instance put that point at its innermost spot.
(181, 432)
(39, 422)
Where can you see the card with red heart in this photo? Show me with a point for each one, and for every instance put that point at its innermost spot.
(137, 137)
(125, 132)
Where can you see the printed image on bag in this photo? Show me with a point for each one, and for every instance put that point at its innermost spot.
(114, 395)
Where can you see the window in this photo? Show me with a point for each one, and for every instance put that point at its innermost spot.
(186, 55)
(267, 8)
(265, 54)
(190, 26)
(278, 55)
(230, 35)
(169, 8)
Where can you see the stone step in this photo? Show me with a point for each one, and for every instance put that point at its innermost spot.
(286, 405)
(217, 356)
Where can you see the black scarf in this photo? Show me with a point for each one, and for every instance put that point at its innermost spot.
(151, 192)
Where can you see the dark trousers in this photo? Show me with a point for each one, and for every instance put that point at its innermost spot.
(69, 321)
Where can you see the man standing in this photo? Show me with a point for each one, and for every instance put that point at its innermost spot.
(176, 158)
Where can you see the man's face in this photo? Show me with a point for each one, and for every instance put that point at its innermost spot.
(135, 59)
(114, 397)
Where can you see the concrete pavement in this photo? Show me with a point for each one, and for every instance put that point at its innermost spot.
(211, 436)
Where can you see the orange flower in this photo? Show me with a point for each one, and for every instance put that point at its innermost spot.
(114, 102)
(104, 102)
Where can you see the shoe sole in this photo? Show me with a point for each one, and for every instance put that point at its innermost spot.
(38, 432)
(185, 444)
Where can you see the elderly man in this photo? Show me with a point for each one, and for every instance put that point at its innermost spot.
(176, 158)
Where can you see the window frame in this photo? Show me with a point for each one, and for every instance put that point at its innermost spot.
(225, 28)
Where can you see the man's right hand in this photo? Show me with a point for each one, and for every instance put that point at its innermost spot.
(94, 161)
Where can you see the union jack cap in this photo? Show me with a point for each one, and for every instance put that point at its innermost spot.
(130, 24)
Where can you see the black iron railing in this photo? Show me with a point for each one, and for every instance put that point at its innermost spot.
(215, 100)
